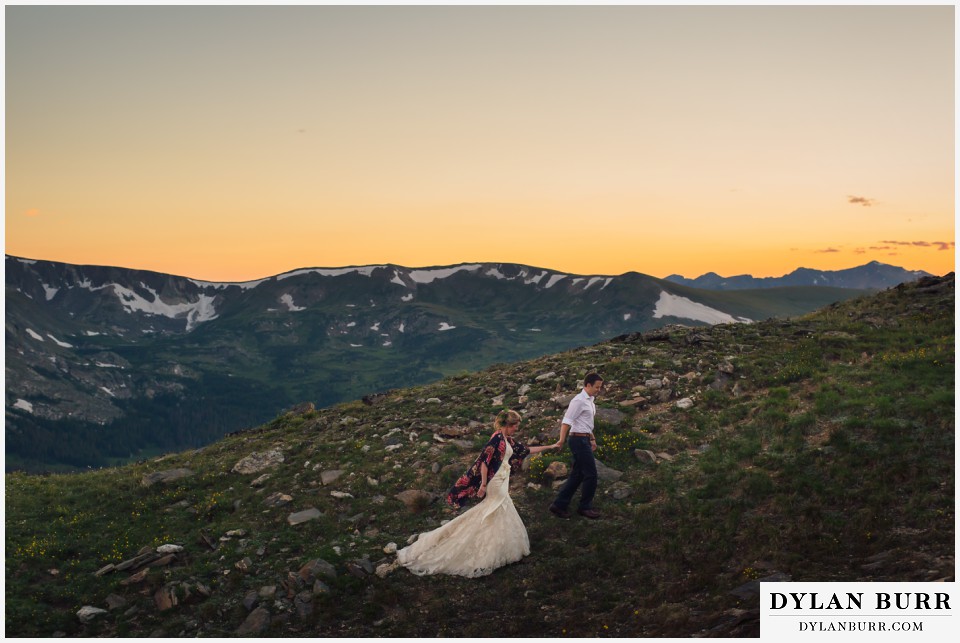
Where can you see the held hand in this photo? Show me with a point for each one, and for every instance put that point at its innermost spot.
(482, 491)
(593, 445)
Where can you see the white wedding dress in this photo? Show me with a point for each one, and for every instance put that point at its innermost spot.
(478, 541)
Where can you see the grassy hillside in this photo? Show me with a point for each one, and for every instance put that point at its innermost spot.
(821, 448)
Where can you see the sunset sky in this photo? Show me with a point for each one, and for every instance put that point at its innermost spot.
(236, 142)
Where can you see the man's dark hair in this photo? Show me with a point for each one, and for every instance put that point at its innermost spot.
(591, 378)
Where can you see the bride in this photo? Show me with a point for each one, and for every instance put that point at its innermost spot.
(489, 535)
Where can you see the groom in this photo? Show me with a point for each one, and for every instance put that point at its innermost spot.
(578, 422)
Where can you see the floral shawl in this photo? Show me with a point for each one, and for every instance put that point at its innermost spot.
(468, 484)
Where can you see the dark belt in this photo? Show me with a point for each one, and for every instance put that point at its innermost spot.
(581, 435)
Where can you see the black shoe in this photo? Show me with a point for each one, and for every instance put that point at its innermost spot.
(558, 512)
(592, 514)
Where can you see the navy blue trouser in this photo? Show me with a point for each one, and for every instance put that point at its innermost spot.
(584, 471)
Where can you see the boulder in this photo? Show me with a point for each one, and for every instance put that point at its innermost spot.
(644, 455)
(257, 462)
(556, 471)
(610, 416)
(304, 516)
(88, 613)
(328, 477)
(257, 622)
(606, 474)
(315, 569)
(685, 403)
(415, 499)
(545, 377)
(277, 499)
(165, 598)
(114, 602)
(170, 475)
(654, 384)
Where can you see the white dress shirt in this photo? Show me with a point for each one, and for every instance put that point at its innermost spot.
(580, 414)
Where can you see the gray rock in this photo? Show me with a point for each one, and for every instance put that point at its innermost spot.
(415, 499)
(165, 598)
(277, 499)
(327, 477)
(304, 604)
(268, 592)
(390, 549)
(304, 516)
(523, 390)
(433, 400)
(545, 377)
(643, 455)
(251, 600)
(556, 471)
(256, 623)
(114, 602)
(259, 482)
(606, 474)
(610, 416)
(498, 400)
(170, 475)
(88, 613)
(685, 403)
(316, 568)
(654, 384)
(257, 462)
(169, 549)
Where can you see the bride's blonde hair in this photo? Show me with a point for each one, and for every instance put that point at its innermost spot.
(506, 417)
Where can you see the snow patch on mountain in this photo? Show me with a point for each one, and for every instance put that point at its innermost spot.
(675, 306)
(23, 405)
(220, 285)
(58, 342)
(554, 279)
(287, 300)
(537, 279)
(431, 275)
(34, 334)
(445, 326)
(366, 271)
(50, 291)
(195, 313)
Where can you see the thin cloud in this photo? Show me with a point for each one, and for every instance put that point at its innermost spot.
(827, 250)
(860, 200)
(941, 245)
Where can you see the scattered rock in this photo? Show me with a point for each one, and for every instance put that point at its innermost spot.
(523, 390)
(415, 499)
(390, 549)
(88, 613)
(433, 400)
(545, 377)
(256, 623)
(268, 592)
(556, 471)
(727, 368)
(114, 602)
(644, 455)
(251, 600)
(498, 400)
(304, 604)
(610, 416)
(330, 476)
(259, 482)
(139, 577)
(256, 462)
(170, 475)
(654, 384)
(316, 568)
(104, 570)
(620, 490)
(663, 455)
(277, 499)
(684, 403)
(304, 516)
(606, 474)
(169, 549)
(166, 597)
(386, 569)
(341, 494)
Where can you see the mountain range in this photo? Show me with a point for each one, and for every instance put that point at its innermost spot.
(871, 276)
(104, 364)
